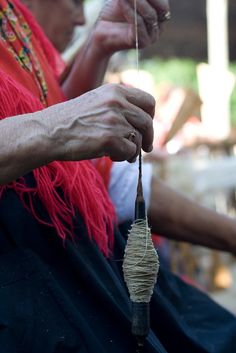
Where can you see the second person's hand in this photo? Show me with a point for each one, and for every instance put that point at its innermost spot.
(115, 30)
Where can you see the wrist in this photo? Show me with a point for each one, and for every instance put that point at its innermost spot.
(52, 123)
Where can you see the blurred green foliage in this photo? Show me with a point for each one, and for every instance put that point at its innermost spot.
(182, 72)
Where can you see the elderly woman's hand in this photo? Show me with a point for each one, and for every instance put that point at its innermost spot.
(112, 120)
(115, 28)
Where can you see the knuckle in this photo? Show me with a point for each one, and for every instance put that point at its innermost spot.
(114, 103)
(108, 86)
(152, 101)
(113, 87)
(114, 99)
(147, 124)
(107, 142)
(151, 104)
(150, 17)
(118, 149)
(112, 116)
(126, 151)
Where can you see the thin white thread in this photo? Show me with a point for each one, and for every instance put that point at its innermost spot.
(140, 267)
(136, 40)
(138, 77)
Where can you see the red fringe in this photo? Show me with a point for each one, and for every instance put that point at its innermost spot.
(16, 99)
(87, 194)
(103, 166)
(82, 186)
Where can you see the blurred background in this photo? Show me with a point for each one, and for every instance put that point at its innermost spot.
(191, 72)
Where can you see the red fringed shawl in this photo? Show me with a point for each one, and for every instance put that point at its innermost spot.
(82, 187)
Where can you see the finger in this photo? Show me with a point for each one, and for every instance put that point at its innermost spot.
(146, 34)
(115, 136)
(162, 9)
(143, 35)
(156, 5)
(130, 106)
(142, 123)
(122, 149)
(149, 16)
(161, 6)
(137, 139)
(139, 98)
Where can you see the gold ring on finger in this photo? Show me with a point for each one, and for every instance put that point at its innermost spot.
(132, 136)
(164, 16)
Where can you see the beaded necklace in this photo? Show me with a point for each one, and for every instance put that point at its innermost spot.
(16, 35)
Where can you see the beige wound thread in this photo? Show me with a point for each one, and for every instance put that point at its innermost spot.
(141, 263)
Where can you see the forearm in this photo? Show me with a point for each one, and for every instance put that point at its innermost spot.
(24, 145)
(175, 216)
(87, 71)
(96, 124)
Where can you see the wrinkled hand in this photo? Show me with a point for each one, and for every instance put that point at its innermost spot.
(115, 27)
(112, 120)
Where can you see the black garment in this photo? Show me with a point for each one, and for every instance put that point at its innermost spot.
(67, 298)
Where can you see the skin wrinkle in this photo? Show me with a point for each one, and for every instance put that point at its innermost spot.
(149, 17)
(89, 69)
(133, 115)
(89, 66)
(70, 13)
(88, 122)
(15, 146)
(144, 38)
(105, 39)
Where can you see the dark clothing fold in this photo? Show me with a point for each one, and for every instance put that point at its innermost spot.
(67, 297)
